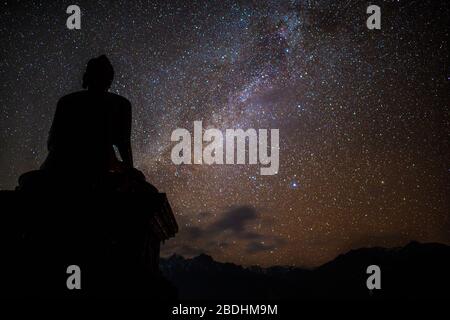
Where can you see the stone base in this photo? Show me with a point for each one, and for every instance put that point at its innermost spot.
(114, 238)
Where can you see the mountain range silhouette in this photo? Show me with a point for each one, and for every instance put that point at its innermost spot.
(415, 271)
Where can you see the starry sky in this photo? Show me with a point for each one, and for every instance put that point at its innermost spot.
(363, 114)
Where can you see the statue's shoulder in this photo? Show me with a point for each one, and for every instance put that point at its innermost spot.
(119, 100)
(72, 97)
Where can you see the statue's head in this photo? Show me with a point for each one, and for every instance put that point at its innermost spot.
(99, 74)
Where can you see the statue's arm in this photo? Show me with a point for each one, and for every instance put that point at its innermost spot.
(124, 143)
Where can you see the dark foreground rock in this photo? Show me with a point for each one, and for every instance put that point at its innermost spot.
(114, 237)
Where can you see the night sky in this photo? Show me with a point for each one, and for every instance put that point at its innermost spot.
(363, 114)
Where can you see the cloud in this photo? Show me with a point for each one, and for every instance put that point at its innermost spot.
(251, 236)
(256, 246)
(235, 219)
(234, 224)
(194, 233)
(269, 244)
(204, 214)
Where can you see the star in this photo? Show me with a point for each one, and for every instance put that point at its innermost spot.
(354, 109)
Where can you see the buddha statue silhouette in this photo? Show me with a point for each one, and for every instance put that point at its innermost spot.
(87, 128)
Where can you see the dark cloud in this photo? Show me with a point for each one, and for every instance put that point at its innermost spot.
(237, 222)
(235, 219)
(194, 233)
(204, 214)
(251, 236)
(256, 246)
(267, 244)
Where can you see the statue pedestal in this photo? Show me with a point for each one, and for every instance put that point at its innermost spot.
(113, 237)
